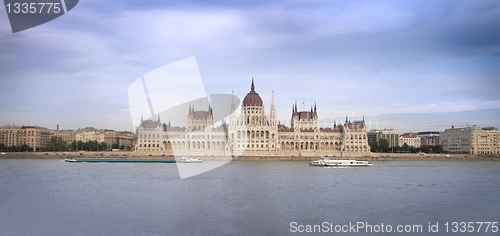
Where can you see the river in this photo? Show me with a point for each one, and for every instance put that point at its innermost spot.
(52, 197)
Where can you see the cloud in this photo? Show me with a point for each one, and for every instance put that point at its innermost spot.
(359, 57)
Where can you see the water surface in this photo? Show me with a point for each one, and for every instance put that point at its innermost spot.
(51, 197)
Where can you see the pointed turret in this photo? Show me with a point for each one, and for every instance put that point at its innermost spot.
(294, 110)
(272, 114)
(232, 103)
(233, 116)
(315, 111)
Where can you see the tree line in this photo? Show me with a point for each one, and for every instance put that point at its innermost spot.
(383, 146)
(58, 144)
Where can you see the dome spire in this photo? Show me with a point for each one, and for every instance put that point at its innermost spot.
(252, 98)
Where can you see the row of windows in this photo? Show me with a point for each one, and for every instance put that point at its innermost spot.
(310, 146)
(150, 129)
(253, 108)
(253, 146)
(149, 136)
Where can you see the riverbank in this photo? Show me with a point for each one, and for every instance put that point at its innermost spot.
(387, 157)
(374, 157)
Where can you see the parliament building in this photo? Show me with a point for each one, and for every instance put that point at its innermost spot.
(253, 133)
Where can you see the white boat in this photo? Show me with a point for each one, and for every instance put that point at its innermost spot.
(339, 163)
(190, 160)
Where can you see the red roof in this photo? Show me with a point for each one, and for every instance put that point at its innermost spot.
(305, 115)
(356, 125)
(252, 99)
(150, 124)
(283, 128)
(200, 115)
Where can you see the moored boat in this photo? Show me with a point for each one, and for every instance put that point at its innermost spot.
(190, 160)
(339, 163)
(119, 160)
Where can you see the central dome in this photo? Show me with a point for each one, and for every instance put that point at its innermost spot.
(252, 98)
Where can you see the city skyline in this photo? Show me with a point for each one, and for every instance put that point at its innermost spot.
(410, 124)
(436, 60)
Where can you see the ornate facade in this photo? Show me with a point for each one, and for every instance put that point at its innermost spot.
(253, 133)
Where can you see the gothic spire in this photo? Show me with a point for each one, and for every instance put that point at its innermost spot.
(252, 88)
(273, 108)
(233, 108)
(232, 102)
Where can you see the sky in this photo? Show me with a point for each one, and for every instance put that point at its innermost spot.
(410, 65)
